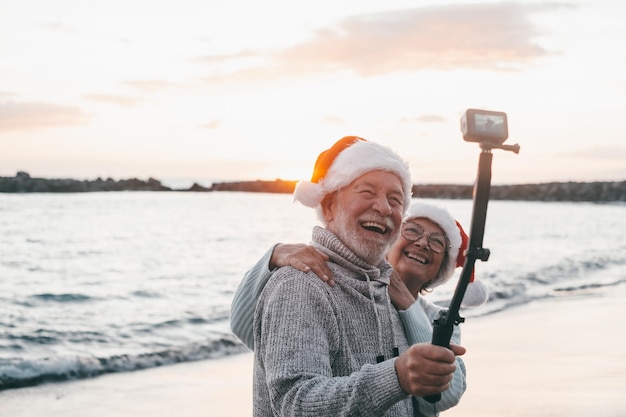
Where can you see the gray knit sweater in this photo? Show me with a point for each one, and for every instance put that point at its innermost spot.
(316, 345)
(416, 320)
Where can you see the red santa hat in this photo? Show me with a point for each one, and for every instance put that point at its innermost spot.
(349, 158)
(477, 292)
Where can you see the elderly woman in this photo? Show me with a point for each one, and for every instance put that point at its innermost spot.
(425, 255)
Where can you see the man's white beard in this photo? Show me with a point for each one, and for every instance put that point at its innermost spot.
(371, 249)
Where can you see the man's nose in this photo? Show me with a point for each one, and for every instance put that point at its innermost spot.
(382, 206)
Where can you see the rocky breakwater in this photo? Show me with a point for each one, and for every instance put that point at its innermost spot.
(24, 183)
(614, 191)
(258, 186)
(553, 191)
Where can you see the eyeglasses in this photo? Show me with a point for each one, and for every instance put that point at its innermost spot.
(437, 242)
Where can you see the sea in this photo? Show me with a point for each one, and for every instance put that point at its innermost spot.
(97, 283)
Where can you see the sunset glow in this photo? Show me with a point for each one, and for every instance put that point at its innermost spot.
(237, 90)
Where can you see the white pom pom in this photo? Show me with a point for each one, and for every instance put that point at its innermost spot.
(476, 295)
(308, 193)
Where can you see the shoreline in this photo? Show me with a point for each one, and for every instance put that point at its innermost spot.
(207, 387)
(557, 357)
(594, 191)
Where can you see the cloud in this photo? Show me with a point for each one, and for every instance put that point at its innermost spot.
(213, 124)
(424, 118)
(333, 120)
(496, 37)
(481, 36)
(430, 118)
(33, 116)
(56, 27)
(150, 85)
(122, 101)
(228, 57)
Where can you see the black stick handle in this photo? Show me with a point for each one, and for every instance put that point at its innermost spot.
(442, 332)
(444, 325)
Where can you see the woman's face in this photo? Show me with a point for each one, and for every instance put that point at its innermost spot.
(415, 261)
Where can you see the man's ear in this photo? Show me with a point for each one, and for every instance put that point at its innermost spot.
(328, 206)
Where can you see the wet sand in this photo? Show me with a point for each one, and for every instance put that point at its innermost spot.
(558, 357)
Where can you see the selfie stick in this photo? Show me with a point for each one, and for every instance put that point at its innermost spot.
(444, 324)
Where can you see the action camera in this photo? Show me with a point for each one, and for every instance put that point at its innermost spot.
(484, 126)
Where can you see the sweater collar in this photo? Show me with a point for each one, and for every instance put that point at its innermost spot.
(340, 254)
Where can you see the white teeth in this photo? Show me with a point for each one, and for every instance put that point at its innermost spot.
(417, 258)
(372, 225)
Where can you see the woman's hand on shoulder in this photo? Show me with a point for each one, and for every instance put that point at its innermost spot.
(302, 257)
(400, 295)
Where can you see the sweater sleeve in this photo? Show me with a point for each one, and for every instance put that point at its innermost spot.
(297, 340)
(418, 326)
(244, 301)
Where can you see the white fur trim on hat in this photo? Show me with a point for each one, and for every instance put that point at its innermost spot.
(308, 193)
(356, 160)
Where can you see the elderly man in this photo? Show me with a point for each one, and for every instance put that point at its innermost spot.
(341, 350)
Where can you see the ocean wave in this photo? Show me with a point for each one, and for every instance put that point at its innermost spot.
(137, 292)
(62, 298)
(590, 286)
(566, 277)
(17, 373)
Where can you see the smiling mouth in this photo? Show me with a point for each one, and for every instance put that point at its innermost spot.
(417, 258)
(374, 227)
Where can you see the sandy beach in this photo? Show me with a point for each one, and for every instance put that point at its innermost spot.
(558, 357)
(563, 357)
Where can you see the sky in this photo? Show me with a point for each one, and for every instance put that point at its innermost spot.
(226, 90)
